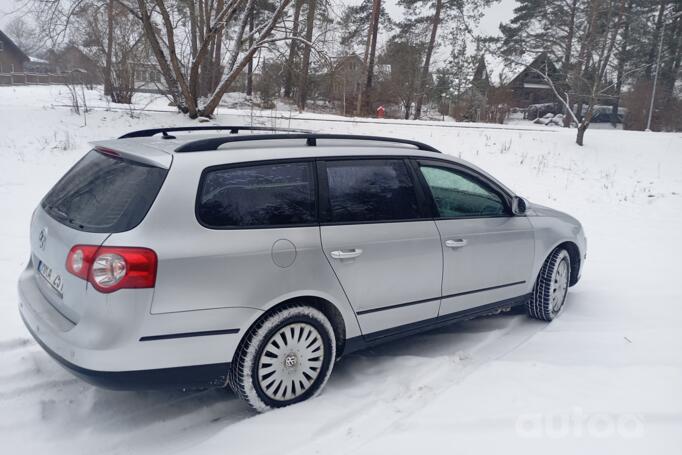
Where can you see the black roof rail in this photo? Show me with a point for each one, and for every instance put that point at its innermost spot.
(202, 145)
(231, 129)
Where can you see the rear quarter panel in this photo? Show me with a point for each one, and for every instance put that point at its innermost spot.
(203, 269)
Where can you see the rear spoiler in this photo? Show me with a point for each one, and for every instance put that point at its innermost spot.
(134, 152)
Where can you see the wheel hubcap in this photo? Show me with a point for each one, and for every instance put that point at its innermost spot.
(290, 362)
(559, 286)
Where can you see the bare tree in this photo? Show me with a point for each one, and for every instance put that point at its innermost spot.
(110, 37)
(183, 79)
(605, 21)
(24, 35)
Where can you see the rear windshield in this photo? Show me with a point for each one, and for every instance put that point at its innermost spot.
(104, 193)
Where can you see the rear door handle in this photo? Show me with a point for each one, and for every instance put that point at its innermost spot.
(458, 243)
(346, 254)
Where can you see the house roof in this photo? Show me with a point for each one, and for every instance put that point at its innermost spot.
(10, 44)
(341, 59)
(481, 72)
(538, 62)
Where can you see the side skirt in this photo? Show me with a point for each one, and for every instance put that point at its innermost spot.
(382, 336)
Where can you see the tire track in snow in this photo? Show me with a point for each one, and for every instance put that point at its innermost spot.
(19, 392)
(14, 343)
(430, 387)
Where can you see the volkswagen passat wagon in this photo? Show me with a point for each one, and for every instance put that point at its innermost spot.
(164, 259)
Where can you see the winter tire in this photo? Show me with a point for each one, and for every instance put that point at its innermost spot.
(285, 358)
(551, 287)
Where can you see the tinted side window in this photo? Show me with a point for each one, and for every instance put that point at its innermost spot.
(262, 195)
(370, 190)
(457, 194)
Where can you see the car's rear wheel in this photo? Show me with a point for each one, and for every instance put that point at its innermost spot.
(285, 358)
(551, 286)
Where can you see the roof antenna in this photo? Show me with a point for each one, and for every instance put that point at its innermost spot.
(165, 135)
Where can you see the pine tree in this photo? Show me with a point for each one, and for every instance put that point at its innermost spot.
(543, 26)
(440, 13)
(404, 53)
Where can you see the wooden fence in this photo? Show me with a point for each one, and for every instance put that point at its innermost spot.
(31, 79)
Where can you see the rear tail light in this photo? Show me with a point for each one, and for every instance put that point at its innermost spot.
(109, 269)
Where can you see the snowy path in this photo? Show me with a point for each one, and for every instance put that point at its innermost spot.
(603, 378)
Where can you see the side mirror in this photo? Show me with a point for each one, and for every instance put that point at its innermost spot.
(519, 205)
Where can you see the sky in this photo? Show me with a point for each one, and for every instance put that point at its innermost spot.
(6, 8)
(489, 25)
(499, 12)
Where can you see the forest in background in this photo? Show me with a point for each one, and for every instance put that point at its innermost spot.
(350, 59)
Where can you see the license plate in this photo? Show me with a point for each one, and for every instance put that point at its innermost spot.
(52, 278)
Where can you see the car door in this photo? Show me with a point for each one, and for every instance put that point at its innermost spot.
(384, 249)
(487, 251)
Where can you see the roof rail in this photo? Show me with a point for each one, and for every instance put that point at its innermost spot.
(202, 145)
(232, 129)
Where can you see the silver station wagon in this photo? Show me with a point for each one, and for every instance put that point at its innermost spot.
(177, 258)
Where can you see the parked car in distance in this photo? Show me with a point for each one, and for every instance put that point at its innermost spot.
(176, 258)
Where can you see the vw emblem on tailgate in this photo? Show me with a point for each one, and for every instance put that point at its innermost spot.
(42, 239)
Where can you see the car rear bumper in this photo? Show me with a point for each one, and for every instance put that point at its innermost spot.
(133, 351)
(195, 376)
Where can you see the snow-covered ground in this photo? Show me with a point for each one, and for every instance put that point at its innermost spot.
(606, 377)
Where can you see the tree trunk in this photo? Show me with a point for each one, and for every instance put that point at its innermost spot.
(216, 55)
(368, 43)
(108, 85)
(583, 125)
(622, 57)
(249, 68)
(190, 101)
(566, 65)
(569, 38)
(651, 59)
(374, 26)
(289, 78)
(230, 77)
(427, 60)
(206, 40)
(671, 68)
(193, 27)
(305, 64)
(581, 134)
(164, 66)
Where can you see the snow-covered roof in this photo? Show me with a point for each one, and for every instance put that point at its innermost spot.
(37, 60)
(502, 70)
(7, 40)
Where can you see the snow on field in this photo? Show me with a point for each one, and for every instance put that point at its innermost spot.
(603, 378)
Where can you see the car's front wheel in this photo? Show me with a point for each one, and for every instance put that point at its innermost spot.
(551, 286)
(285, 358)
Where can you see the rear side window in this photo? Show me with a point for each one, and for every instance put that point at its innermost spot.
(277, 194)
(104, 193)
(370, 190)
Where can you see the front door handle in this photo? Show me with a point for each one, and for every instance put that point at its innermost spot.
(458, 243)
(346, 254)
